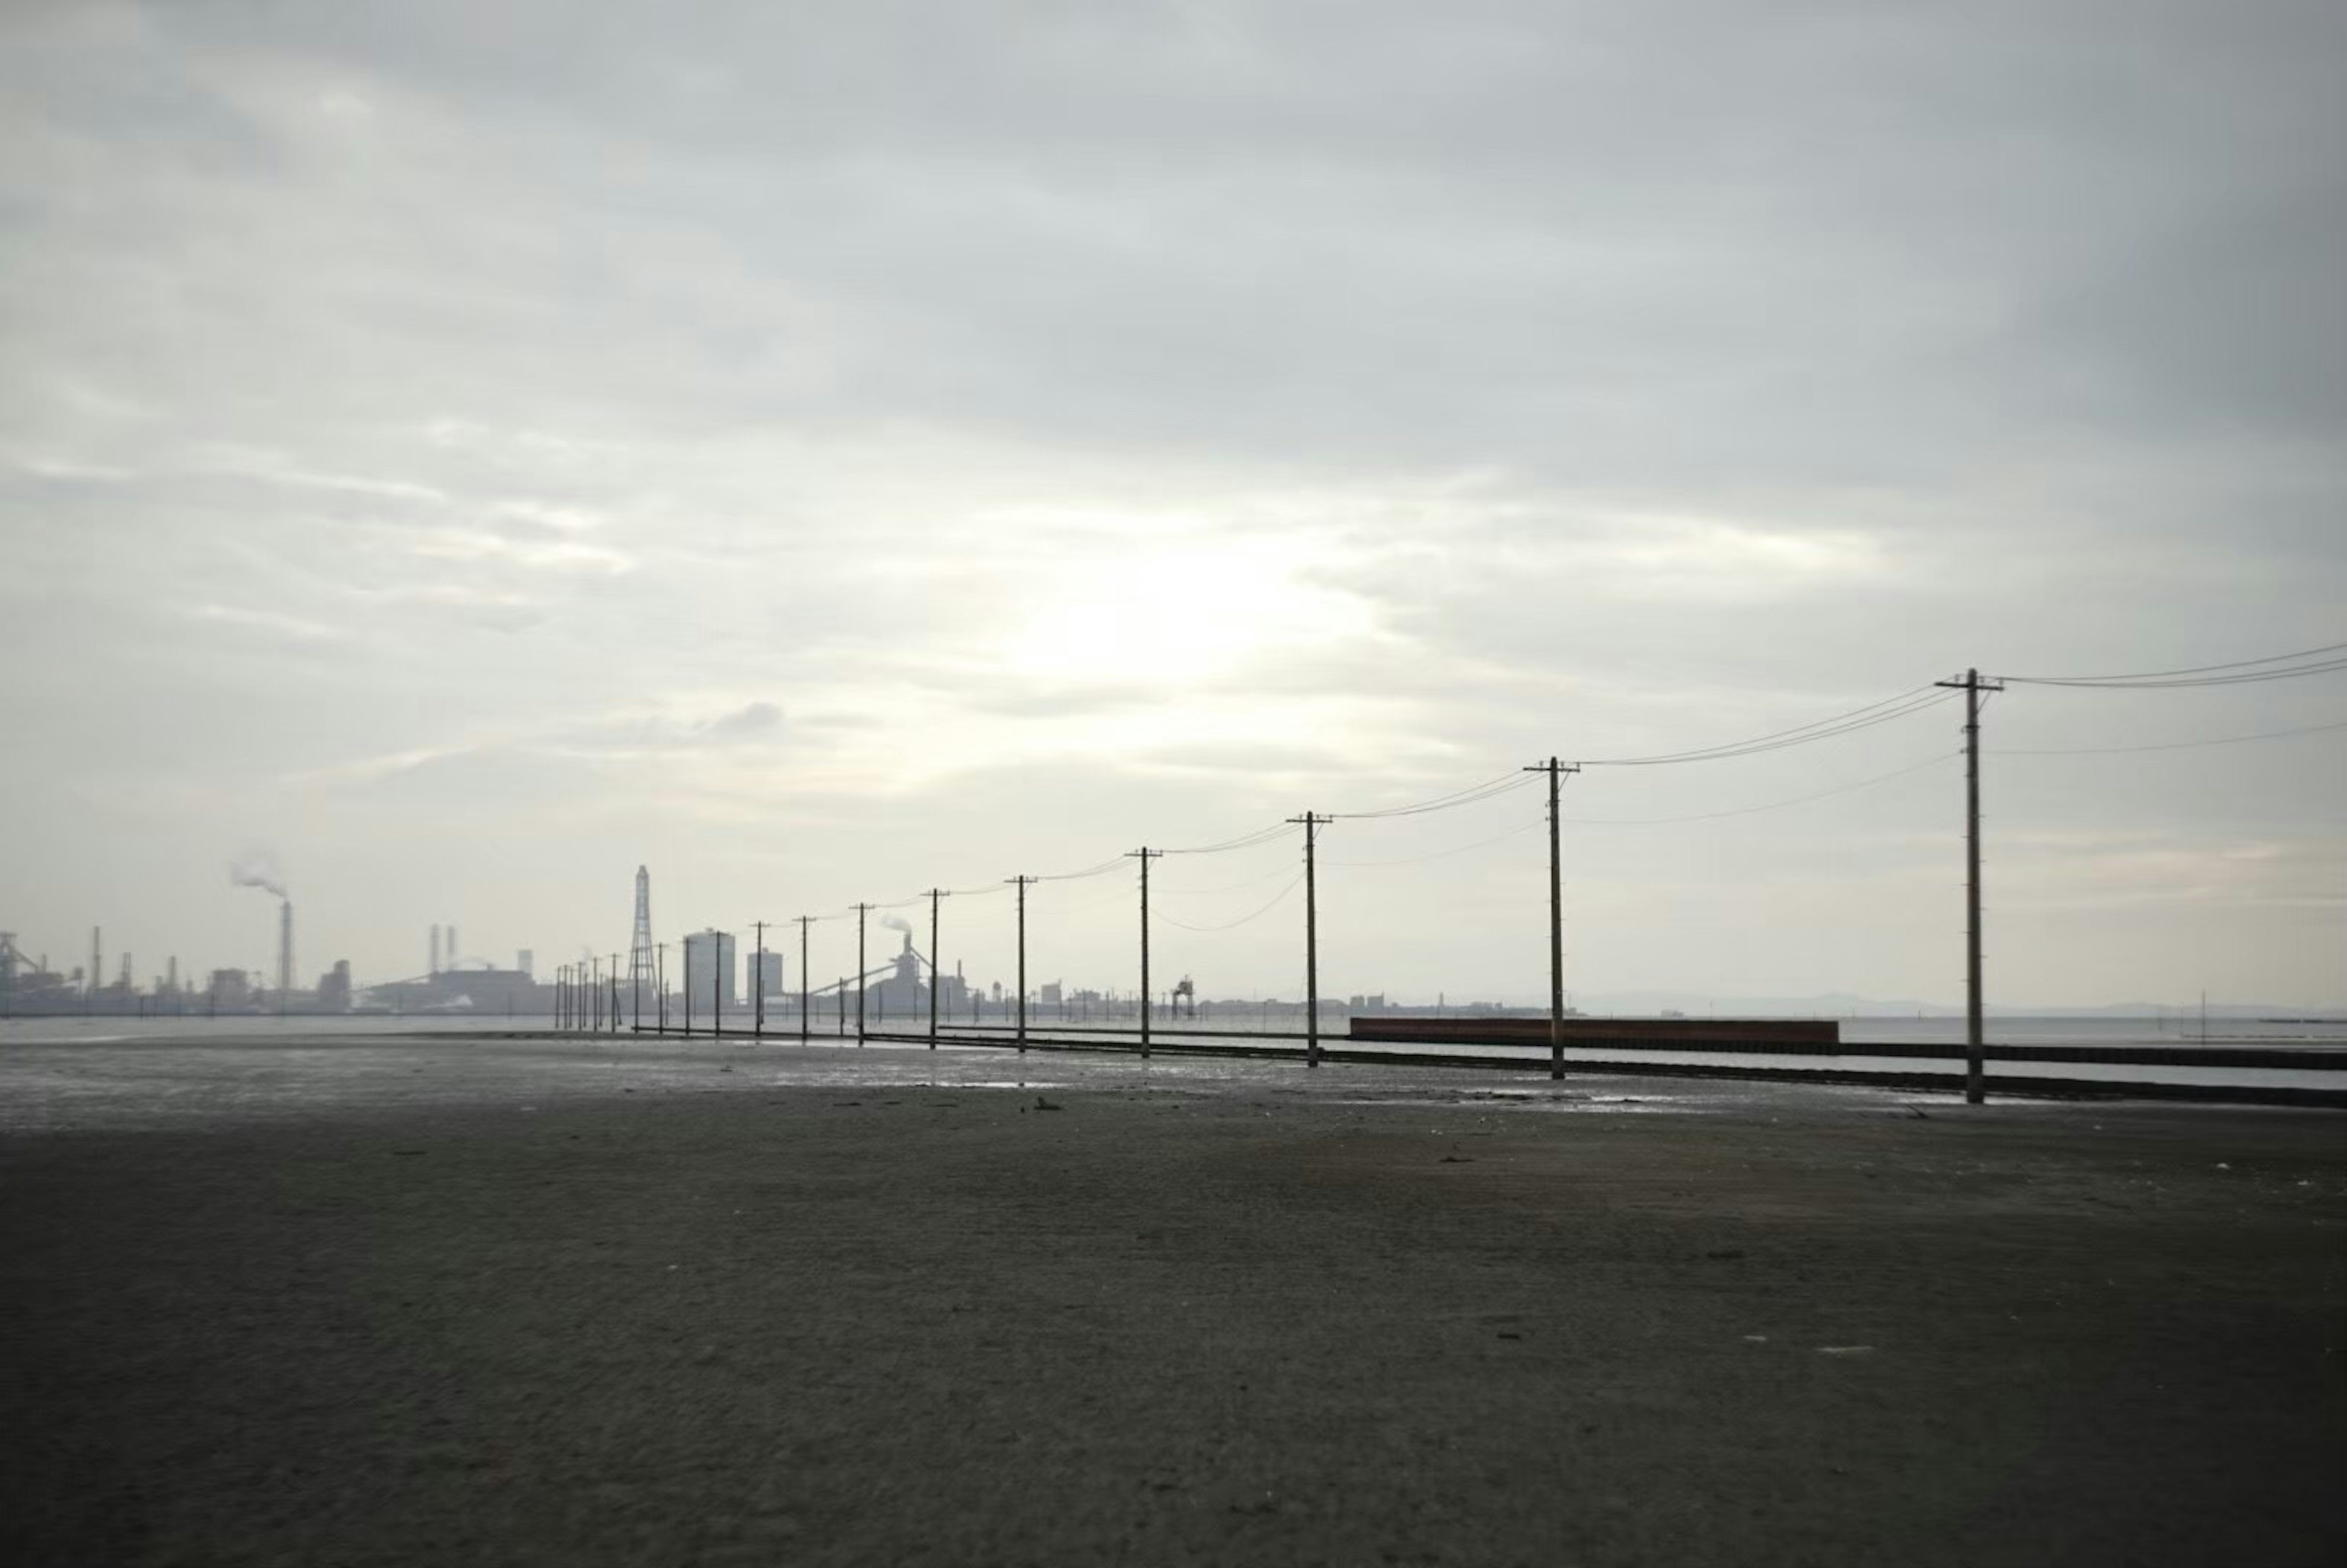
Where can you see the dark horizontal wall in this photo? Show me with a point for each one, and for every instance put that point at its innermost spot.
(1780, 1033)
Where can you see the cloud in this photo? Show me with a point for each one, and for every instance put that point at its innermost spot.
(441, 423)
(273, 625)
(752, 720)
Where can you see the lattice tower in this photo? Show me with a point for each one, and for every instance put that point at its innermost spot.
(641, 982)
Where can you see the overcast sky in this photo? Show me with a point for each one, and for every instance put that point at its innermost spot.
(826, 451)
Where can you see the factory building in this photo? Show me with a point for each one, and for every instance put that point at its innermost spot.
(769, 974)
(904, 995)
(709, 968)
(334, 988)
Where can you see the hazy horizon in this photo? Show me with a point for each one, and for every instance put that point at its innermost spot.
(458, 455)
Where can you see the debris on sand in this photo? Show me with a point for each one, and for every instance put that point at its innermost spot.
(1043, 1105)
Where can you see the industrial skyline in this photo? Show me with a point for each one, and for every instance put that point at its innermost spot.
(825, 471)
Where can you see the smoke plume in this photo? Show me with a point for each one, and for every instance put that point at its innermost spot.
(896, 923)
(258, 868)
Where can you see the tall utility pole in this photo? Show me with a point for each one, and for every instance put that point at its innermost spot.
(758, 983)
(717, 979)
(937, 980)
(1972, 685)
(594, 995)
(861, 910)
(1311, 825)
(1022, 884)
(1557, 772)
(615, 993)
(660, 986)
(1144, 854)
(805, 921)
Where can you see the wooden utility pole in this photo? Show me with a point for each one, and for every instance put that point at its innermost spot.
(1557, 772)
(805, 921)
(861, 910)
(660, 986)
(1144, 854)
(615, 993)
(758, 984)
(717, 977)
(1022, 883)
(1970, 684)
(1311, 825)
(936, 978)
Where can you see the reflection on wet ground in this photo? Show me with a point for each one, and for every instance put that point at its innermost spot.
(95, 1080)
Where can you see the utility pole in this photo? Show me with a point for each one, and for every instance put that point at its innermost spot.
(861, 910)
(1311, 823)
(1144, 854)
(717, 977)
(1022, 884)
(659, 987)
(805, 921)
(615, 993)
(758, 984)
(1555, 771)
(1972, 685)
(937, 980)
(684, 987)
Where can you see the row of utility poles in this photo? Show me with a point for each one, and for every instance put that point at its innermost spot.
(581, 1001)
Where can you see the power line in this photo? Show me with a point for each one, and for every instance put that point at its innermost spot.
(1276, 900)
(1490, 789)
(1226, 887)
(2325, 651)
(1456, 850)
(1857, 719)
(2164, 746)
(1111, 863)
(2244, 680)
(1771, 806)
(1243, 841)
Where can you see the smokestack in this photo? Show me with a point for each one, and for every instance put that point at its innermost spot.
(284, 953)
(435, 969)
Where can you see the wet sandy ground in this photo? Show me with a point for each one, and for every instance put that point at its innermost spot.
(534, 1301)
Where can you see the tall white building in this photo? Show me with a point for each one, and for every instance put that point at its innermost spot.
(769, 974)
(709, 968)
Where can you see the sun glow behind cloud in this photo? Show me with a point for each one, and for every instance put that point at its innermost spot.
(1202, 608)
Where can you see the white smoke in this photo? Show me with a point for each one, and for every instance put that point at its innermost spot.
(896, 923)
(258, 868)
